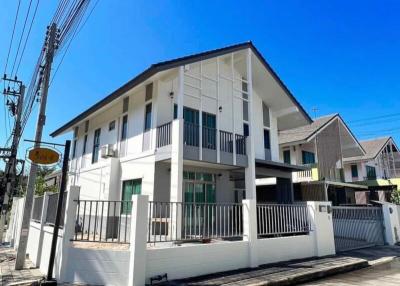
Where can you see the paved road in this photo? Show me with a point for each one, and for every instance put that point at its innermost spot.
(382, 275)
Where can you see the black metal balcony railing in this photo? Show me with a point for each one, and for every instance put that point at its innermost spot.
(164, 134)
(226, 141)
(209, 138)
(240, 144)
(191, 136)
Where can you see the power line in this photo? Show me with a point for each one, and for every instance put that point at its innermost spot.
(375, 117)
(12, 36)
(75, 33)
(27, 37)
(6, 65)
(22, 35)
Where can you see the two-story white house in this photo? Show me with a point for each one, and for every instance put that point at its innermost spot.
(323, 146)
(199, 128)
(378, 169)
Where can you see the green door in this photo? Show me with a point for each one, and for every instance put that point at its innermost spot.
(129, 188)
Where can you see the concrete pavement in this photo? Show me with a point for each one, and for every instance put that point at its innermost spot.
(295, 272)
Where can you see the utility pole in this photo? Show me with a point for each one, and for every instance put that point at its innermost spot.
(10, 170)
(24, 232)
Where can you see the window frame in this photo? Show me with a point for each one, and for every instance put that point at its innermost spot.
(148, 121)
(96, 145)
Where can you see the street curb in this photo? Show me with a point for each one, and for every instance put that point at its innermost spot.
(382, 260)
(313, 275)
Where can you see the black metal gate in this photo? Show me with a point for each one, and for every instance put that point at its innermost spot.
(357, 227)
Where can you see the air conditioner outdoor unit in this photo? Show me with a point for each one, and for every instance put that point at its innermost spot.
(107, 151)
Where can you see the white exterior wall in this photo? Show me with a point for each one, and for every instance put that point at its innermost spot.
(98, 267)
(194, 260)
(34, 237)
(273, 250)
(142, 168)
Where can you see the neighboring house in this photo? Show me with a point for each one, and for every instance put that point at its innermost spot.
(200, 128)
(53, 179)
(378, 168)
(323, 146)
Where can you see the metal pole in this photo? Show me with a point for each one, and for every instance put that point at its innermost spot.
(63, 186)
(12, 163)
(24, 233)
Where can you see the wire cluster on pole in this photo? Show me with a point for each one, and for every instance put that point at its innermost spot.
(67, 17)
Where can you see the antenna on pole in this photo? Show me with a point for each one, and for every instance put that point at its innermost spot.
(315, 109)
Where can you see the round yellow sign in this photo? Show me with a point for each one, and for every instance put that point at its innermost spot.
(43, 156)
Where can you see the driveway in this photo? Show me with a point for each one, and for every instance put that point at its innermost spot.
(387, 274)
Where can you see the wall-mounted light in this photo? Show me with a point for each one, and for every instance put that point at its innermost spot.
(220, 108)
(171, 94)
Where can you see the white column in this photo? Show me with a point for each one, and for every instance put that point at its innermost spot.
(61, 274)
(322, 228)
(42, 224)
(250, 171)
(176, 187)
(217, 117)
(250, 230)
(233, 112)
(137, 262)
(180, 92)
(391, 223)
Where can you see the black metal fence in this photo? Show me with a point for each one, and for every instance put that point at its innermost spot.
(52, 209)
(282, 220)
(103, 221)
(178, 221)
(37, 209)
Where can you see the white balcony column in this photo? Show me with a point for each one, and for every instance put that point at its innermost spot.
(176, 187)
(154, 101)
(250, 171)
(181, 78)
(217, 117)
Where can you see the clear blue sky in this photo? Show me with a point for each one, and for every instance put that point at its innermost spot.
(338, 56)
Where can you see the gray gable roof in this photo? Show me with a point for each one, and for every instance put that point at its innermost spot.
(162, 66)
(305, 132)
(372, 148)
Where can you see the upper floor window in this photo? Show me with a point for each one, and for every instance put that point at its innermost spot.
(267, 140)
(246, 131)
(84, 144)
(124, 127)
(111, 125)
(286, 157)
(265, 115)
(308, 157)
(354, 171)
(209, 132)
(125, 105)
(76, 130)
(86, 126)
(96, 146)
(149, 92)
(371, 172)
(147, 117)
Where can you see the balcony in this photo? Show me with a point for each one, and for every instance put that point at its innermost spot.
(308, 175)
(209, 147)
